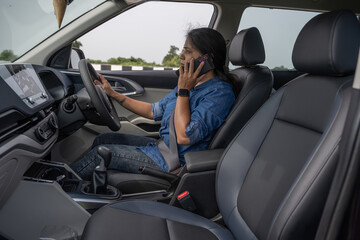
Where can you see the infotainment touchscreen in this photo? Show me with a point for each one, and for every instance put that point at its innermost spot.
(24, 80)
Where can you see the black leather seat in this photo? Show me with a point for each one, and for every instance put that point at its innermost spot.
(273, 179)
(253, 85)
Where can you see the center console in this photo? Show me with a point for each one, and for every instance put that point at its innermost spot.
(82, 191)
(72, 184)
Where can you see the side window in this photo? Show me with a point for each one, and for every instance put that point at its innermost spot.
(279, 30)
(147, 36)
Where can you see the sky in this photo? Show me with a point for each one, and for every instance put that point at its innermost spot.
(279, 29)
(147, 31)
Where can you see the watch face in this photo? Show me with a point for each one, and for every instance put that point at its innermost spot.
(183, 92)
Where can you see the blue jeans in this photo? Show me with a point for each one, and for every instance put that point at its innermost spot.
(125, 156)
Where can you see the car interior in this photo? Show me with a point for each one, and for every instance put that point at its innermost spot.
(253, 85)
(284, 165)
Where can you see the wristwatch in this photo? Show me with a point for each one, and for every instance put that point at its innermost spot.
(183, 93)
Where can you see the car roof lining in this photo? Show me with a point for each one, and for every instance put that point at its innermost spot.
(306, 5)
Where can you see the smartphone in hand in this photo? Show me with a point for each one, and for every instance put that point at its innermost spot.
(208, 65)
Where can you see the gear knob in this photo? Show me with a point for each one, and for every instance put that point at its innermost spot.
(105, 154)
(99, 179)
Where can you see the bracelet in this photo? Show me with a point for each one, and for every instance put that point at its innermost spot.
(122, 101)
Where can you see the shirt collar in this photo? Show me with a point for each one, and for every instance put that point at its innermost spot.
(206, 84)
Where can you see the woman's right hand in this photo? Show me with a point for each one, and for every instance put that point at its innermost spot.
(105, 85)
(187, 77)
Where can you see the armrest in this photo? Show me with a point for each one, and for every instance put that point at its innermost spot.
(203, 160)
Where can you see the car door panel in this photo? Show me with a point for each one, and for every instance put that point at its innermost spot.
(125, 86)
(165, 79)
(154, 85)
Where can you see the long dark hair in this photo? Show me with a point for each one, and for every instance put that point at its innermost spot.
(210, 41)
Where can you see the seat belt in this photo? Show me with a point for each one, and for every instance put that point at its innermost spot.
(170, 154)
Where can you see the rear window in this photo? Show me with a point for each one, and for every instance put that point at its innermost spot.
(279, 29)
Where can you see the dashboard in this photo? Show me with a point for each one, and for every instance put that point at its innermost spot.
(28, 91)
(30, 98)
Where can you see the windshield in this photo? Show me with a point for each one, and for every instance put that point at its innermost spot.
(26, 23)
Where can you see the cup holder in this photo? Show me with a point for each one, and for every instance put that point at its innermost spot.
(111, 192)
(53, 173)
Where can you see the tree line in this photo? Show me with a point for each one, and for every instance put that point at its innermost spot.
(171, 59)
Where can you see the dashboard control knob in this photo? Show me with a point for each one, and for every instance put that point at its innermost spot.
(30, 100)
(43, 95)
(69, 105)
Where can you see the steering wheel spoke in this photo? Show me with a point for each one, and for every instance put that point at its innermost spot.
(101, 102)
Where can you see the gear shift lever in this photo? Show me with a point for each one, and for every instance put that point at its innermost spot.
(100, 175)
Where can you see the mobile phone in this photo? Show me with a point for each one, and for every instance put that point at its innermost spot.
(208, 65)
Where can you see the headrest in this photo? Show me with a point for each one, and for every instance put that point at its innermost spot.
(247, 48)
(328, 44)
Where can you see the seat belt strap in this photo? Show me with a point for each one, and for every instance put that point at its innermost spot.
(170, 154)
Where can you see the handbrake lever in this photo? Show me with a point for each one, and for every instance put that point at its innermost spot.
(171, 178)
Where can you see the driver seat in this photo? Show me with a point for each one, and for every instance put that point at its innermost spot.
(253, 85)
(273, 179)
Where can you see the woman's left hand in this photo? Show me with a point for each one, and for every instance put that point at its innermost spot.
(187, 77)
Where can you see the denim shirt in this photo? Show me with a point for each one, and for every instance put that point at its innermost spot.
(210, 103)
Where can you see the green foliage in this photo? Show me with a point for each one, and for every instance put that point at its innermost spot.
(173, 50)
(280, 68)
(77, 44)
(7, 55)
(132, 61)
(96, 61)
(112, 61)
(173, 62)
(172, 59)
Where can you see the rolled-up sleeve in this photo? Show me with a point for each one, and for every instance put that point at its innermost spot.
(196, 130)
(157, 111)
(158, 108)
(209, 115)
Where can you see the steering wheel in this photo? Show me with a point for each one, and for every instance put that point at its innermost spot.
(102, 103)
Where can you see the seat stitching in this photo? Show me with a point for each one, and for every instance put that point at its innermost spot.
(298, 125)
(167, 227)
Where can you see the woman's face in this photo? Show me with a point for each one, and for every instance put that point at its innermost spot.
(189, 52)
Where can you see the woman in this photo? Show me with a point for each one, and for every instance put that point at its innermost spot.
(199, 106)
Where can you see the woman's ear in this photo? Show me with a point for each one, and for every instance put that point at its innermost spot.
(212, 56)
